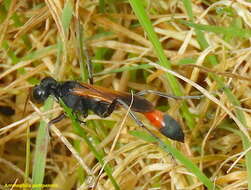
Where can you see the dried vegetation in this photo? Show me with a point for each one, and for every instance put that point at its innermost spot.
(40, 38)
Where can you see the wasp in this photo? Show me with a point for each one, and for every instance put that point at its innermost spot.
(82, 97)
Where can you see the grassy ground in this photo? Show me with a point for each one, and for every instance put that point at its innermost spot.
(177, 47)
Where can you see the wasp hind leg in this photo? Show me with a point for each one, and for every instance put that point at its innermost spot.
(144, 92)
(57, 119)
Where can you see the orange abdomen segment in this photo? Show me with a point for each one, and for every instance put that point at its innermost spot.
(166, 125)
(156, 118)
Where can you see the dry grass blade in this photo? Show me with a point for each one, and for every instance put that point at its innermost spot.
(208, 95)
(207, 44)
(226, 74)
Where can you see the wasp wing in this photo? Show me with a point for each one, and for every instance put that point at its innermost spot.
(104, 94)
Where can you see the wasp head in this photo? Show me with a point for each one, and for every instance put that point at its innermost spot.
(42, 91)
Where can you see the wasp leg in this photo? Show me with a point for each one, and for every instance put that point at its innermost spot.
(57, 119)
(78, 107)
(79, 120)
(84, 112)
(134, 117)
(143, 92)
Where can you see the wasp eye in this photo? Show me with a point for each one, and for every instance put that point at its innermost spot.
(39, 94)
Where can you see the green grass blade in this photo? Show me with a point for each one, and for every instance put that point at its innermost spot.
(125, 68)
(67, 16)
(39, 53)
(202, 40)
(167, 147)
(188, 164)
(81, 132)
(81, 49)
(230, 31)
(174, 85)
(246, 144)
(42, 141)
(102, 6)
(11, 54)
(240, 115)
(28, 157)
(147, 25)
(142, 135)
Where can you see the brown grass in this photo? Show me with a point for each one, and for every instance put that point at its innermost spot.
(31, 26)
